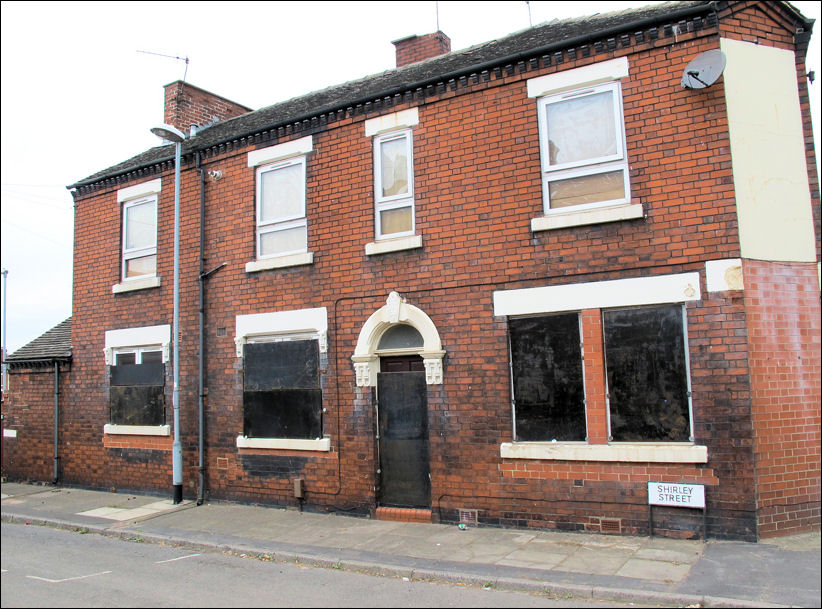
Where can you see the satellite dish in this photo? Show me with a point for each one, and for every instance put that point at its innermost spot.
(704, 70)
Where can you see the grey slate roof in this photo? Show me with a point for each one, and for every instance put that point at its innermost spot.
(528, 43)
(54, 344)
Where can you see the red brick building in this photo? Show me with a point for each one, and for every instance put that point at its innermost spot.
(514, 284)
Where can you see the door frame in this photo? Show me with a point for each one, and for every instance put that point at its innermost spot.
(409, 364)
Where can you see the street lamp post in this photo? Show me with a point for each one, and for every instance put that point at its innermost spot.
(172, 134)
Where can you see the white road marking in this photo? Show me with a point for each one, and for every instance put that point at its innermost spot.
(68, 579)
(178, 558)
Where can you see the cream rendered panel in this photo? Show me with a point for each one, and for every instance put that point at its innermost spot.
(768, 153)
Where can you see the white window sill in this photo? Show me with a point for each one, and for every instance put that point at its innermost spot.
(625, 452)
(137, 430)
(9, 433)
(393, 245)
(322, 444)
(280, 262)
(599, 215)
(136, 284)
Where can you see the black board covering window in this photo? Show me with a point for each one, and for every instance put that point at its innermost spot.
(546, 365)
(647, 374)
(136, 391)
(281, 390)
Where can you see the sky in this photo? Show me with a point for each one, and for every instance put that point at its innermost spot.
(82, 84)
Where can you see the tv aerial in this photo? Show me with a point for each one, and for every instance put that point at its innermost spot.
(704, 70)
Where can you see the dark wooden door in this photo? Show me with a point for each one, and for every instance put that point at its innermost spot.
(403, 431)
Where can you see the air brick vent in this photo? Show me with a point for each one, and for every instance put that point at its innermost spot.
(610, 525)
(469, 517)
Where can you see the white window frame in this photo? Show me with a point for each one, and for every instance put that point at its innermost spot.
(587, 167)
(387, 203)
(263, 159)
(138, 252)
(287, 222)
(137, 351)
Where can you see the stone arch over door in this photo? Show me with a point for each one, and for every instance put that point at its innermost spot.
(396, 310)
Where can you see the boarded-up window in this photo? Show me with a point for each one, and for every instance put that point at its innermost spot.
(647, 374)
(136, 388)
(281, 390)
(546, 364)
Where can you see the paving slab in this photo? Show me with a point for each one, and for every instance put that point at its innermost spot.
(654, 570)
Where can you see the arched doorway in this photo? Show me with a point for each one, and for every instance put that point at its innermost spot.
(399, 353)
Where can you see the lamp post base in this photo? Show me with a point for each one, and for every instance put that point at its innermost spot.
(178, 493)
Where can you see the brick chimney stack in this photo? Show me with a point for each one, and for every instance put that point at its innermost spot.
(416, 48)
(187, 105)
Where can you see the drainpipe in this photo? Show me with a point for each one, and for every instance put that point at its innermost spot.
(55, 478)
(202, 276)
(201, 389)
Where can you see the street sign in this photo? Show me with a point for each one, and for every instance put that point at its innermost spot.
(676, 494)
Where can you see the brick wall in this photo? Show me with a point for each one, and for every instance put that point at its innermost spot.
(417, 48)
(477, 187)
(782, 306)
(28, 410)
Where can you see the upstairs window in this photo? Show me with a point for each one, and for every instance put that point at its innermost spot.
(582, 138)
(281, 221)
(140, 237)
(394, 184)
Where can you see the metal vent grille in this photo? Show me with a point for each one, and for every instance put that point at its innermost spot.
(610, 525)
(468, 516)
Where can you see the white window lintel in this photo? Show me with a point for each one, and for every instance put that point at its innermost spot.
(390, 122)
(279, 152)
(312, 321)
(636, 291)
(139, 190)
(596, 73)
(137, 337)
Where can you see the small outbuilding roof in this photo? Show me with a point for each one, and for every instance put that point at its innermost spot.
(53, 345)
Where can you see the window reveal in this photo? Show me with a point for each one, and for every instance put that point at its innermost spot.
(546, 366)
(136, 388)
(647, 374)
(281, 390)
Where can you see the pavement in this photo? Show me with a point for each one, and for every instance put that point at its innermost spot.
(782, 572)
